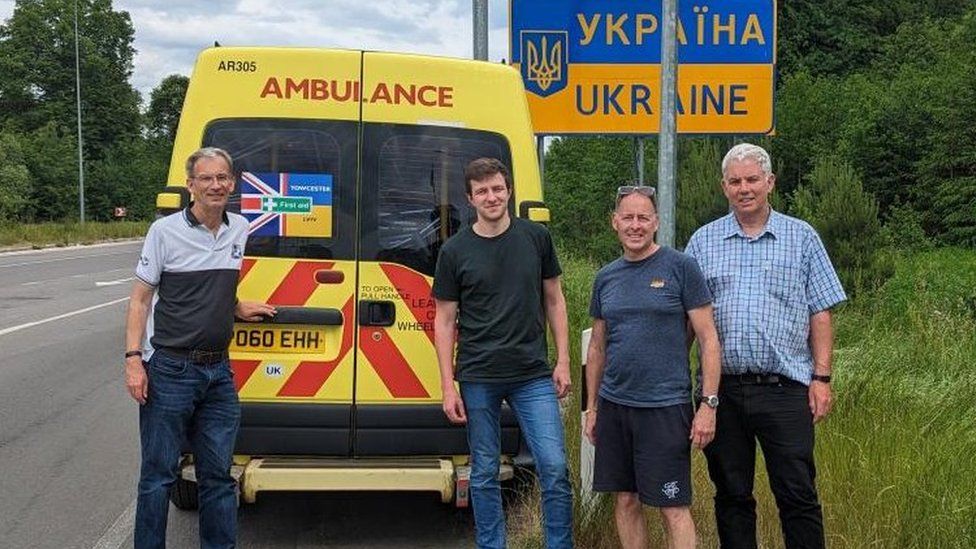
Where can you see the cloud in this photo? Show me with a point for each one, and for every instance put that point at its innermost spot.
(170, 34)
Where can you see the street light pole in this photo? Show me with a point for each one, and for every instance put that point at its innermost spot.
(81, 165)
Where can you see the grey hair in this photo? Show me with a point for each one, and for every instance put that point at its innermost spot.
(748, 151)
(207, 152)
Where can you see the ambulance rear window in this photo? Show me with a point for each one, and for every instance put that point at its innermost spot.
(295, 184)
(415, 198)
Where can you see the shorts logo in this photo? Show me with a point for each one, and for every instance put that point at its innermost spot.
(670, 489)
(235, 251)
(545, 60)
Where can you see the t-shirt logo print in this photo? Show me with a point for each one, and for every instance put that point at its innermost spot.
(236, 252)
(657, 283)
(670, 489)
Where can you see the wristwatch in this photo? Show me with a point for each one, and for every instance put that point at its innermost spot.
(711, 401)
(820, 378)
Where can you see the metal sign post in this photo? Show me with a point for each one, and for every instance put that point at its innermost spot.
(479, 15)
(668, 136)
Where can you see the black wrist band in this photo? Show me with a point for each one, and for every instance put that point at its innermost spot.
(132, 353)
(820, 378)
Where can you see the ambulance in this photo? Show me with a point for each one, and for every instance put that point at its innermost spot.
(349, 170)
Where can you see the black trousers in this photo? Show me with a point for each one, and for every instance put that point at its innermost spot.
(778, 416)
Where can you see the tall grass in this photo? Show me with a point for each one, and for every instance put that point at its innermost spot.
(896, 459)
(65, 234)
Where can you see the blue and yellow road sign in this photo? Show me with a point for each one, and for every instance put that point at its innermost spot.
(593, 66)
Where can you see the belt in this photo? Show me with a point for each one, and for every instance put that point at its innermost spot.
(760, 379)
(198, 356)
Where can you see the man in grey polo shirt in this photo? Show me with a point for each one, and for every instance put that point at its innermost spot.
(178, 327)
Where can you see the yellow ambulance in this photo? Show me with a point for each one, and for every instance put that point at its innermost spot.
(350, 173)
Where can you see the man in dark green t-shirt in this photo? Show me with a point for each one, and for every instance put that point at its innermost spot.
(496, 284)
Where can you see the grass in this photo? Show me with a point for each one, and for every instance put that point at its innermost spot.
(896, 459)
(39, 235)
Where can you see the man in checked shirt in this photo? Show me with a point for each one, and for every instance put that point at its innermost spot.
(773, 287)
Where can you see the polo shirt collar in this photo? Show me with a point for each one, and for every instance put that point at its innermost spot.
(193, 221)
(774, 226)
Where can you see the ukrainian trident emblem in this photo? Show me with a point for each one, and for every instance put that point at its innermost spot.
(545, 58)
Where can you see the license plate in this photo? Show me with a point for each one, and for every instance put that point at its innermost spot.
(278, 340)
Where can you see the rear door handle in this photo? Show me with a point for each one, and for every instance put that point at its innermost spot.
(376, 313)
(306, 315)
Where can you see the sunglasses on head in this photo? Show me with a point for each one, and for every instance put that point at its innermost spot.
(645, 190)
(626, 190)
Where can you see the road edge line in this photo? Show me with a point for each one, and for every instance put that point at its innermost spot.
(118, 532)
(13, 329)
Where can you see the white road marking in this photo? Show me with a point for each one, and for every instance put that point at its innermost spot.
(118, 533)
(12, 329)
(51, 249)
(115, 282)
(36, 282)
(66, 258)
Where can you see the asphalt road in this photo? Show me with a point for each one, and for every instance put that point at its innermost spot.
(69, 451)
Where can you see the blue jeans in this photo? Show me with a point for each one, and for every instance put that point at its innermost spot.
(535, 406)
(196, 402)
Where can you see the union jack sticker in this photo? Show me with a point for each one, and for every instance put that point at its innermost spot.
(287, 204)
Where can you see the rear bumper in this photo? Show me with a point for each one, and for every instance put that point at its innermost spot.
(311, 474)
(365, 430)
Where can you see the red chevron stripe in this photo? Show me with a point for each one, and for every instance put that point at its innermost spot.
(392, 368)
(310, 376)
(298, 284)
(243, 369)
(245, 268)
(414, 290)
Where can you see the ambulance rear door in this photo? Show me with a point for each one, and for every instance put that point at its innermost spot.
(292, 126)
(415, 146)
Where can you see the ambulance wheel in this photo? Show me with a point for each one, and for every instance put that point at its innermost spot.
(183, 494)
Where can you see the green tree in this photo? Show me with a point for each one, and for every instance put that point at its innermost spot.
(130, 175)
(14, 178)
(49, 154)
(841, 37)
(700, 197)
(833, 200)
(37, 58)
(582, 175)
(165, 106)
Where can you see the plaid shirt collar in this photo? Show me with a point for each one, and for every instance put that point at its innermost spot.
(774, 226)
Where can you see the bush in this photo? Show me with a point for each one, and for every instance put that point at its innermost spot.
(833, 200)
(14, 178)
(903, 230)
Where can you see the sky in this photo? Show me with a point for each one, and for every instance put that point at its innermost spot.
(170, 33)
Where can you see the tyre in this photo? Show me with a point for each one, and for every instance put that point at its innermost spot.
(183, 494)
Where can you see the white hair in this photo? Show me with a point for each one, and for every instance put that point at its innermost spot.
(748, 151)
(207, 152)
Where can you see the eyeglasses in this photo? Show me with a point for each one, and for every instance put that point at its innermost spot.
(219, 178)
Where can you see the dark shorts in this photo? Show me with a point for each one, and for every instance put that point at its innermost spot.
(644, 450)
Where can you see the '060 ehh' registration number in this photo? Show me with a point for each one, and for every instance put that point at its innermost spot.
(278, 340)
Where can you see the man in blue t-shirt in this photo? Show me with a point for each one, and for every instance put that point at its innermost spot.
(639, 409)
